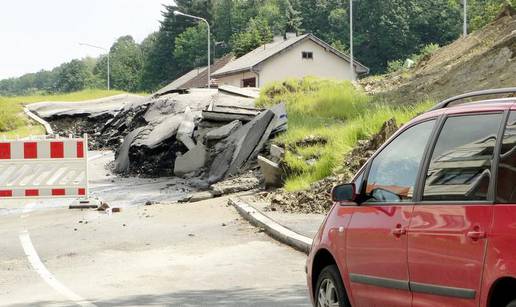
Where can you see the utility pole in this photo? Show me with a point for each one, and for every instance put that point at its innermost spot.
(351, 60)
(108, 60)
(465, 27)
(178, 13)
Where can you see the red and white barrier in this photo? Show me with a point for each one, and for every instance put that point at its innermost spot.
(39, 168)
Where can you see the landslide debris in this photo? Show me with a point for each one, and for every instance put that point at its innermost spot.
(203, 134)
(82, 117)
(482, 60)
(317, 199)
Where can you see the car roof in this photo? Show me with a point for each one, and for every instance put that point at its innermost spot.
(480, 106)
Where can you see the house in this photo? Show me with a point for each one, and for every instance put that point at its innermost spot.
(196, 78)
(293, 57)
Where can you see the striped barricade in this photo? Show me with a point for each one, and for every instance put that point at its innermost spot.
(43, 168)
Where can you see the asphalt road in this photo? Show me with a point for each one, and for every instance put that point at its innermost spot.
(200, 254)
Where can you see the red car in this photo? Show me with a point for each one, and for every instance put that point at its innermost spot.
(430, 220)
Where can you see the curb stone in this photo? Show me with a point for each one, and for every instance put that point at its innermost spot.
(48, 128)
(271, 227)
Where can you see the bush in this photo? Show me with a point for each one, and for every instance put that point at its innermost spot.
(424, 53)
(9, 120)
(394, 66)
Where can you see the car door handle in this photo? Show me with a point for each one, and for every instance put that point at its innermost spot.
(399, 231)
(476, 235)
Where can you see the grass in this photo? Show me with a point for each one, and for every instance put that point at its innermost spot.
(13, 122)
(333, 110)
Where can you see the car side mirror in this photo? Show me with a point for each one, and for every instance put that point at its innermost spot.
(344, 193)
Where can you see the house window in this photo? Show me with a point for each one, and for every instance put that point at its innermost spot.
(307, 55)
(250, 82)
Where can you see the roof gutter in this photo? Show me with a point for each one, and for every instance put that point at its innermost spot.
(257, 72)
(232, 72)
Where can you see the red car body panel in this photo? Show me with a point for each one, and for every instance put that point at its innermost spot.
(441, 253)
(444, 243)
(365, 243)
(501, 252)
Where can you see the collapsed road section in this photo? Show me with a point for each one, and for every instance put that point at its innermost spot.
(205, 135)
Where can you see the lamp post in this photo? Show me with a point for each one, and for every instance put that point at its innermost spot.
(465, 26)
(108, 56)
(178, 13)
(351, 60)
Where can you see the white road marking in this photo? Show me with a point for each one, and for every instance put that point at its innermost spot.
(45, 274)
(41, 269)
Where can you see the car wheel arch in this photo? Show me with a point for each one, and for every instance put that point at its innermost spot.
(502, 292)
(322, 259)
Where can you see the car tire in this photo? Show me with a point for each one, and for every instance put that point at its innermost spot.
(512, 304)
(330, 291)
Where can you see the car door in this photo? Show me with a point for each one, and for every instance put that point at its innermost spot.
(376, 244)
(447, 233)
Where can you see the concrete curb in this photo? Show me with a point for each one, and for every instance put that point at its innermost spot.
(271, 227)
(41, 121)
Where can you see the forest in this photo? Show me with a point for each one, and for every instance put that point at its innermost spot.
(384, 31)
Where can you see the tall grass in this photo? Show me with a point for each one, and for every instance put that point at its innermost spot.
(13, 122)
(333, 110)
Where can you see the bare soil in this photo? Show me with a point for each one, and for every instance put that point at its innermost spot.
(484, 59)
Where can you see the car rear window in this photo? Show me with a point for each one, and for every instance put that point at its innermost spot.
(460, 167)
(506, 183)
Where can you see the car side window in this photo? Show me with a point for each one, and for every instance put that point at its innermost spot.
(460, 167)
(506, 183)
(394, 170)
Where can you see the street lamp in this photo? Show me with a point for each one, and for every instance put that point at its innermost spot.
(351, 40)
(465, 27)
(108, 56)
(178, 13)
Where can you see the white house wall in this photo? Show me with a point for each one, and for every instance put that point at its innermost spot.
(290, 64)
(236, 79)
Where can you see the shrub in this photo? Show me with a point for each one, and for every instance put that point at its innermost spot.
(394, 66)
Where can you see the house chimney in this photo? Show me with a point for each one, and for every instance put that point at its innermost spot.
(277, 38)
(290, 35)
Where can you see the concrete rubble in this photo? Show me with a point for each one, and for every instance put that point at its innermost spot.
(272, 167)
(83, 117)
(206, 135)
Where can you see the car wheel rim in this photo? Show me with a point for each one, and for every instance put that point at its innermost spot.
(327, 296)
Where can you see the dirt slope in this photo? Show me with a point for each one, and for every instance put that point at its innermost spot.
(484, 59)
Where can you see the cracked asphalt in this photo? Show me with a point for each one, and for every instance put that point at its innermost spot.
(200, 254)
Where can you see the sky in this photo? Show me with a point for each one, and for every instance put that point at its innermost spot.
(42, 34)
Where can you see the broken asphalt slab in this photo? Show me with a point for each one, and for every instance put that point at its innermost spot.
(224, 131)
(90, 108)
(191, 162)
(241, 146)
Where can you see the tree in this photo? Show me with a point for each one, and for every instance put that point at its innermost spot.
(191, 47)
(72, 76)
(256, 34)
(223, 12)
(159, 64)
(126, 62)
(481, 12)
(293, 19)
